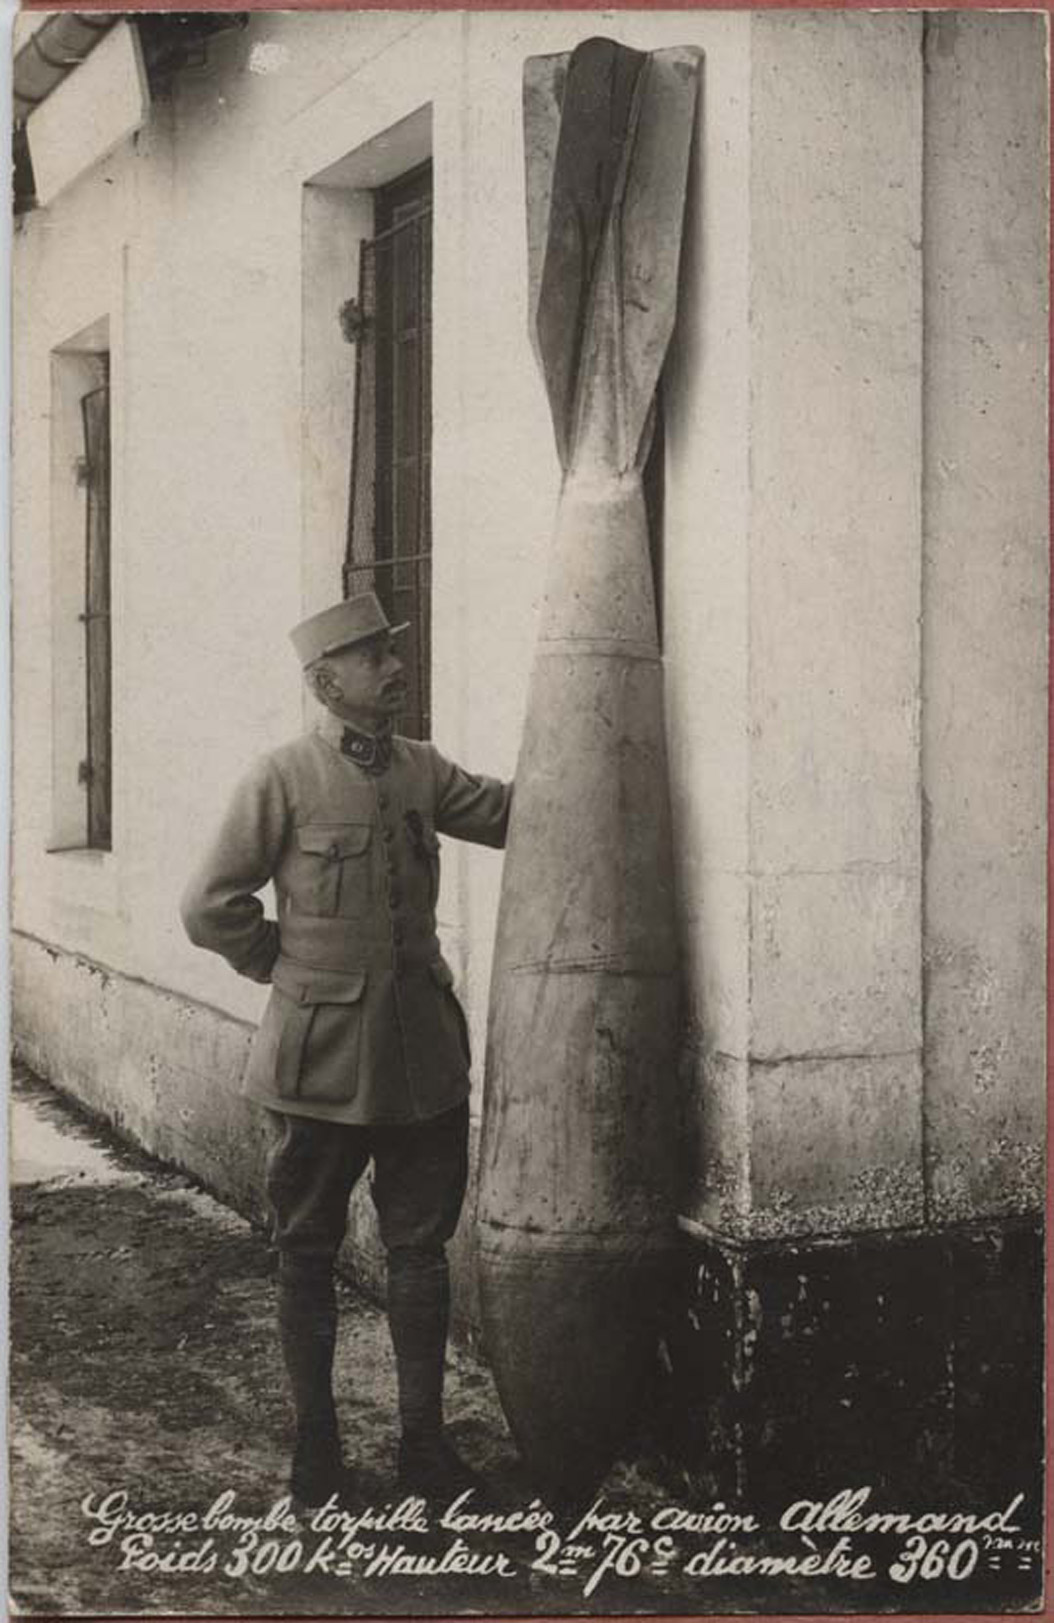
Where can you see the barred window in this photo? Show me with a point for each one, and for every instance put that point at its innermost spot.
(96, 770)
(81, 570)
(389, 542)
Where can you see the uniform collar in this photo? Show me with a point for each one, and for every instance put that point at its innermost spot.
(371, 751)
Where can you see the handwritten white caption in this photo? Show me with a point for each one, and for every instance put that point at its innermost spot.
(715, 1542)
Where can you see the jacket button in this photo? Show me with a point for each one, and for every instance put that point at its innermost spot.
(334, 851)
(382, 799)
(389, 833)
(395, 896)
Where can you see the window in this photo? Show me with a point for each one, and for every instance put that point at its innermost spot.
(389, 544)
(95, 770)
(82, 774)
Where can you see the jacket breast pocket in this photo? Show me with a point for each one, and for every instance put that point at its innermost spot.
(332, 876)
(321, 1037)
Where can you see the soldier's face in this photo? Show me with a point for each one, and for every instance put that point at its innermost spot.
(371, 681)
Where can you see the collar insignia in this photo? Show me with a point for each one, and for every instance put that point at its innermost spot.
(373, 752)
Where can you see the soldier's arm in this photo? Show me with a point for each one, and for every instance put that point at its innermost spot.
(219, 908)
(469, 806)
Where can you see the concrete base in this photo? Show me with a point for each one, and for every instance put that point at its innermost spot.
(911, 1362)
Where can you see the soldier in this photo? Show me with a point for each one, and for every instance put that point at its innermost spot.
(363, 1048)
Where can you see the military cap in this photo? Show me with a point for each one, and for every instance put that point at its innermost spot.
(356, 619)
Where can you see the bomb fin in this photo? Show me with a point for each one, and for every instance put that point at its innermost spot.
(604, 233)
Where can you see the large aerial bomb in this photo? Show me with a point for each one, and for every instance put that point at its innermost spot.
(577, 1161)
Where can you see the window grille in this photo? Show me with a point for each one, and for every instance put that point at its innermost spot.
(389, 544)
(96, 770)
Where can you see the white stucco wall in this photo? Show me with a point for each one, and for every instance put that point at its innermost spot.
(820, 635)
(206, 248)
(867, 1048)
(985, 614)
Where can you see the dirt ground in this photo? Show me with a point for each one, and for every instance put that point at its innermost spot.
(143, 1361)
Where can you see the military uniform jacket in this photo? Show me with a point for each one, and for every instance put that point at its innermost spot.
(362, 1024)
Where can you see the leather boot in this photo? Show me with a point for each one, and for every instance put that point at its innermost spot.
(307, 1322)
(418, 1319)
